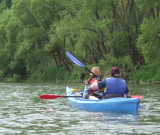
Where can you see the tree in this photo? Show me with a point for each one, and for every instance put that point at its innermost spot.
(149, 40)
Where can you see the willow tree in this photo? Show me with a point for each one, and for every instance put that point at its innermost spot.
(63, 33)
(149, 39)
(85, 31)
(126, 23)
(25, 29)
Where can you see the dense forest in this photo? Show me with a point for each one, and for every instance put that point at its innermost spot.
(35, 34)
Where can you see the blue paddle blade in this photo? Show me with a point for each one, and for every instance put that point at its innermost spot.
(72, 58)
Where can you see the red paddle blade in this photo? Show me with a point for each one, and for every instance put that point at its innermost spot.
(137, 96)
(49, 96)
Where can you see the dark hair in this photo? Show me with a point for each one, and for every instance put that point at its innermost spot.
(115, 71)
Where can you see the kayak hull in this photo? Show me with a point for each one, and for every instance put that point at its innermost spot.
(122, 105)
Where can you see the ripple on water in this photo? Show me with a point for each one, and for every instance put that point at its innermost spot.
(22, 112)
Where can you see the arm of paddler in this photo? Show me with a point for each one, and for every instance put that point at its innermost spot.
(86, 91)
(127, 94)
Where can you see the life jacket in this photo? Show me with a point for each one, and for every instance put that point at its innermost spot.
(115, 86)
(91, 91)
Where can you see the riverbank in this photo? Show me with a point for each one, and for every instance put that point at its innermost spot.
(147, 74)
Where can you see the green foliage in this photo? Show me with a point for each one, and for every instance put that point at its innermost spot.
(148, 73)
(1, 74)
(149, 40)
(2, 5)
(34, 35)
(8, 3)
(16, 78)
(49, 74)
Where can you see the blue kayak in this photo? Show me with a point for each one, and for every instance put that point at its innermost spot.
(119, 104)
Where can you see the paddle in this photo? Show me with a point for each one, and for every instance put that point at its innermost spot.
(137, 96)
(77, 62)
(47, 97)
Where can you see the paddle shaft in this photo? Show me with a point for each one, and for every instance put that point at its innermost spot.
(70, 96)
(90, 71)
(47, 97)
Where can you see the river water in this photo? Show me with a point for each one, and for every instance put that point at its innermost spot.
(23, 113)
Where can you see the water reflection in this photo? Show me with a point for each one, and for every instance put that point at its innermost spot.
(22, 112)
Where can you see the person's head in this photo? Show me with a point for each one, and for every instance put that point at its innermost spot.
(96, 71)
(115, 72)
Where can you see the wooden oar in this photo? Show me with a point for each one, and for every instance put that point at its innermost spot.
(48, 97)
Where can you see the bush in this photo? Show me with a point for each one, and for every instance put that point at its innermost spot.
(48, 74)
(147, 73)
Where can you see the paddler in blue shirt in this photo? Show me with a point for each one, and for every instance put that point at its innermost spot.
(115, 86)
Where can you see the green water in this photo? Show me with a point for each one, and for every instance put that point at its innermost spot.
(23, 113)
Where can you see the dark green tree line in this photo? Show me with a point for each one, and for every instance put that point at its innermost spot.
(35, 34)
